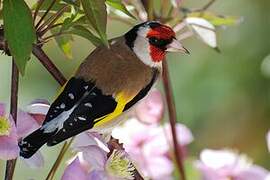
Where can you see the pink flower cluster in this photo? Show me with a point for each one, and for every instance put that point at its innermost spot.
(27, 122)
(227, 164)
(148, 143)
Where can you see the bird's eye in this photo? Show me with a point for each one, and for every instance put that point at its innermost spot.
(161, 43)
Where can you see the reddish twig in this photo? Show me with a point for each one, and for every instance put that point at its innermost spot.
(49, 65)
(50, 22)
(172, 118)
(45, 14)
(39, 4)
(10, 166)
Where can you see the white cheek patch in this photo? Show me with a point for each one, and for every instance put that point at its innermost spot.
(142, 48)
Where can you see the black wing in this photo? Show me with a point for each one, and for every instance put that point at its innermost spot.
(73, 91)
(95, 105)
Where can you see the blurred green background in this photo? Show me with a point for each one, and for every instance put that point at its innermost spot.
(223, 98)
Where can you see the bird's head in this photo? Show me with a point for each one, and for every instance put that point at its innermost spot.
(151, 40)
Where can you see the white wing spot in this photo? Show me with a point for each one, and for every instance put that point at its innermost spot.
(71, 124)
(57, 107)
(82, 118)
(93, 94)
(55, 110)
(71, 96)
(25, 149)
(88, 105)
(86, 87)
(62, 106)
(64, 130)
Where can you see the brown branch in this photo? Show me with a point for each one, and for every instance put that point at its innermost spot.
(10, 165)
(172, 117)
(48, 64)
(3, 42)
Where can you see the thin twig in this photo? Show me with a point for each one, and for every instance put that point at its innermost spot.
(210, 3)
(10, 166)
(172, 117)
(48, 64)
(39, 4)
(59, 160)
(204, 8)
(50, 22)
(45, 14)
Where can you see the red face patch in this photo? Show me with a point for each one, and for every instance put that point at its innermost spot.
(161, 32)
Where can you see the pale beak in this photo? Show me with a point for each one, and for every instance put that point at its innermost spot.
(176, 46)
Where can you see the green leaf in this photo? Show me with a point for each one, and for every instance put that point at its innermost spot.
(85, 33)
(117, 4)
(64, 43)
(217, 20)
(95, 11)
(19, 31)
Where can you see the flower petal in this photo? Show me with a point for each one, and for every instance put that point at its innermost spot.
(204, 30)
(158, 166)
(184, 135)
(26, 124)
(253, 172)
(9, 148)
(97, 175)
(38, 110)
(75, 171)
(2, 109)
(151, 109)
(95, 156)
(89, 138)
(36, 161)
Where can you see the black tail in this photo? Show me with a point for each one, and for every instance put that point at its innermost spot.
(32, 143)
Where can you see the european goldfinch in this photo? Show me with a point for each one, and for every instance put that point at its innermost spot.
(108, 83)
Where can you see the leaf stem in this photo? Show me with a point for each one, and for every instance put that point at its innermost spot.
(50, 22)
(59, 159)
(45, 14)
(10, 165)
(172, 117)
(39, 4)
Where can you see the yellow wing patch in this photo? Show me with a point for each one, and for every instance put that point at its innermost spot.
(122, 99)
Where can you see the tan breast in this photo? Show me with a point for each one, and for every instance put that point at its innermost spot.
(116, 69)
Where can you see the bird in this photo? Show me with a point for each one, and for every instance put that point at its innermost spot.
(107, 84)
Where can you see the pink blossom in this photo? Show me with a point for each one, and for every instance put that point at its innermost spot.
(75, 170)
(8, 136)
(9, 142)
(149, 146)
(151, 109)
(226, 164)
(92, 163)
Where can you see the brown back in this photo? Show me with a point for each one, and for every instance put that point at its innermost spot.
(116, 69)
